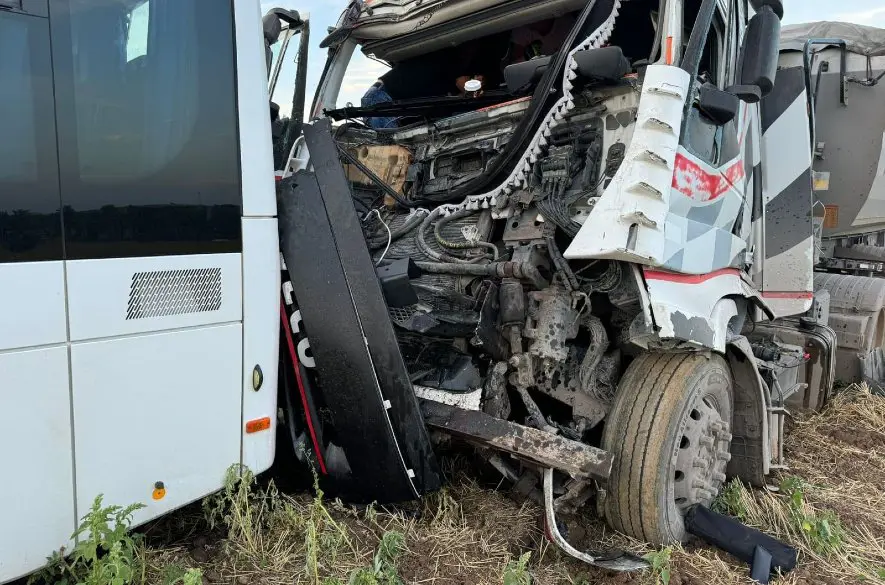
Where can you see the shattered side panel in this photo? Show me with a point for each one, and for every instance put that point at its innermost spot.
(669, 210)
(707, 204)
(787, 270)
(628, 222)
(666, 207)
(695, 309)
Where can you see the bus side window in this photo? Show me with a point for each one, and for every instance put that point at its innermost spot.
(148, 125)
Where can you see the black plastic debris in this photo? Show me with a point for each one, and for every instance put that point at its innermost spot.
(395, 282)
(760, 570)
(741, 541)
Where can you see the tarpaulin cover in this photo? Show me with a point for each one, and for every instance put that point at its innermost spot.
(865, 40)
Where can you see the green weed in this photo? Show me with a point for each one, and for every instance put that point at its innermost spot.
(731, 501)
(104, 553)
(660, 565)
(232, 507)
(323, 536)
(516, 571)
(256, 518)
(823, 531)
(383, 569)
(177, 575)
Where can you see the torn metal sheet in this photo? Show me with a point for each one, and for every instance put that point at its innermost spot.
(614, 560)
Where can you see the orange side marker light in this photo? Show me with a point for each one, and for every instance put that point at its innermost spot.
(258, 425)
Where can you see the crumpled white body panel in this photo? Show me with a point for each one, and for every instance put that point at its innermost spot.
(639, 193)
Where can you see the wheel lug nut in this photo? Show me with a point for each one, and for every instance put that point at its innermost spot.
(724, 456)
(718, 476)
(706, 442)
(699, 484)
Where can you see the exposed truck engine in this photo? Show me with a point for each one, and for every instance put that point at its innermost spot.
(595, 265)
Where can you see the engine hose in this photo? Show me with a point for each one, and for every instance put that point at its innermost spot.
(466, 245)
(425, 247)
(608, 280)
(598, 345)
(410, 224)
(521, 270)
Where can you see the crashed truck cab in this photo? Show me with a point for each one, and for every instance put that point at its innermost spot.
(518, 261)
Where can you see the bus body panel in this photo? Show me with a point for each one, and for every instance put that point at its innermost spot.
(36, 495)
(156, 412)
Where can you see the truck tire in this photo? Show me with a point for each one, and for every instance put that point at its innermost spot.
(669, 431)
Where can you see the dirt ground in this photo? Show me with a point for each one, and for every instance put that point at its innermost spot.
(830, 505)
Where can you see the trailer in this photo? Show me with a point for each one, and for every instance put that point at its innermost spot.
(845, 65)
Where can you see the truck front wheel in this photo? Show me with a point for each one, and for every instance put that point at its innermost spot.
(670, 432)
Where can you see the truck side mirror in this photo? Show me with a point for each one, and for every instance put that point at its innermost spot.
(720, 107)
(272, 23)
(759, 56)
(272, 27)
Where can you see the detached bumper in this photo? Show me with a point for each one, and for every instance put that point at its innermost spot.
(533, 446)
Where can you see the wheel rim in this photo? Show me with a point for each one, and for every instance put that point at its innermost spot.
(702, 454)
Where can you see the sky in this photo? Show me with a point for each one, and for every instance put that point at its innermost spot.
(363, 71)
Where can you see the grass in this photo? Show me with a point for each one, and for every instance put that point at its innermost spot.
(106, 553)
(516, 572)
(830, 505)
(660, 565)
(256, 534)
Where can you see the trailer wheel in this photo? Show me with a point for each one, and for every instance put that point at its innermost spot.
(669, 431)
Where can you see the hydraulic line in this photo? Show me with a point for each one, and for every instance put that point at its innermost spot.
(569, 279)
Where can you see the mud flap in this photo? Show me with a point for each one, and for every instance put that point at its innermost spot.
(362, 380)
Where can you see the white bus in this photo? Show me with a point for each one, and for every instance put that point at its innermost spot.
(139, 260)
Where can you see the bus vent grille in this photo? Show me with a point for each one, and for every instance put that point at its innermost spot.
(163, 293)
